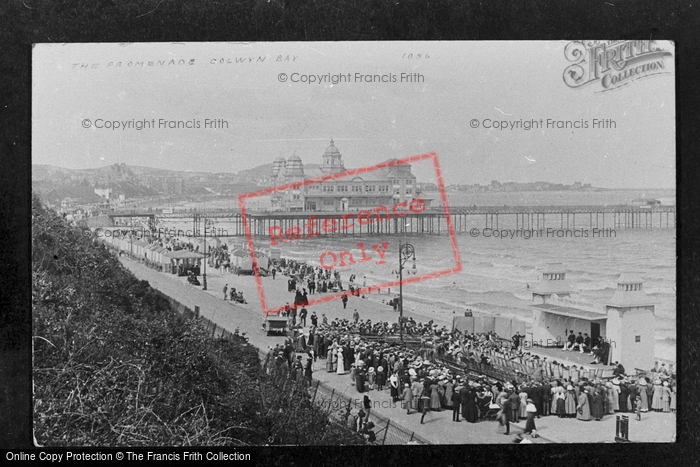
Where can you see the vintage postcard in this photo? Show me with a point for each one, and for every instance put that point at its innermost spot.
(333, 243)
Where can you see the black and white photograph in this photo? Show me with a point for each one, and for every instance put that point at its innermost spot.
(246, 244)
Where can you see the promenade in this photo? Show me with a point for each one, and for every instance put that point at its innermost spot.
(438, 427)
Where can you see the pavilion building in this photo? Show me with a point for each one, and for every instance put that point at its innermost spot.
(381, 187)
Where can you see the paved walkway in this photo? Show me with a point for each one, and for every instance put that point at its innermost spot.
(438, 427)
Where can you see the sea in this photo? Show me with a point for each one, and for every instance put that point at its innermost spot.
(496, 272)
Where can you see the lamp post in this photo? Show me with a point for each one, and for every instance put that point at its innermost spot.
(406, 252)
(196, 221)
(207, 223)
(206, 253)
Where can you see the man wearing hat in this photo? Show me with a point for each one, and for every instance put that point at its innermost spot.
(619, 369)
(514, 404)
(456, 400)
(571, 340)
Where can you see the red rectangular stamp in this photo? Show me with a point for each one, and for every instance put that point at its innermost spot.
(379, 203)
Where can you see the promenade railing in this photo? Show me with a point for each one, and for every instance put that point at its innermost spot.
(340, 407)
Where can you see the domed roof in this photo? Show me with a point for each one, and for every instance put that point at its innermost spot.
(331, 150)
(280, 159)
(294, 158)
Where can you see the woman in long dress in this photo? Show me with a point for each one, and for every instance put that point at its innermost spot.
(613, 404)
(642, 392)
(424, 403)
(416, 389)
(472, 412)
(330, 358)
(394, 383)
(380, 378)
(360, 376)
(672, 404)
(596, 404)
(666, 397)
(624, 396)
(656, 400)
(530, 410)
(570, 402)
(502, 416)
(371, 377)
(435, 398)
(449, 390)
(558, 397)
(441, 393)
(523, 402)
(583, 410)
(341, 361)
(406, 398)
(553, 396)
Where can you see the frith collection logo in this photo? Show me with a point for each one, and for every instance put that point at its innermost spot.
(614, 64)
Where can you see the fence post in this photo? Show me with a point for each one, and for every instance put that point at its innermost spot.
(388, 423)
(313, 399)
(412, 433)
(622, 429)
(213, 331)
(330, 402)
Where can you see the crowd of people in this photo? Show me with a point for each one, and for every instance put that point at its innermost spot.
(374, 360)
(422, 384)
(304, 277)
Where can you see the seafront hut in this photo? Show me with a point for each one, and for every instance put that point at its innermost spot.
(151, 252)
(245, 263)
(139, 249)
(164, 259)
(185, 259)
(624, 327)
(237, 255)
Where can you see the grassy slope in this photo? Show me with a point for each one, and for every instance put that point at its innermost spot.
(115, 366)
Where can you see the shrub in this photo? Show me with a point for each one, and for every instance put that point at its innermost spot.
(114, 365)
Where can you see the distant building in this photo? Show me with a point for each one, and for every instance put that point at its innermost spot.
(103, 192)
(381, 187)
(646, 202)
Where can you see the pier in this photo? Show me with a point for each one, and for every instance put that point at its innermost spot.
(432, 221)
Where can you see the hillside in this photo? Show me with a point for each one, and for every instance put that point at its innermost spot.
(115, 366)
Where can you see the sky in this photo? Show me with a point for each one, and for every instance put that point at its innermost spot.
(459, 89)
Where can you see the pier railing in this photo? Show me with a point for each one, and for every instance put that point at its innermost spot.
(473, 209)
(433, 220)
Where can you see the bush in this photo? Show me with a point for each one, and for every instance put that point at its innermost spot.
(115, 366)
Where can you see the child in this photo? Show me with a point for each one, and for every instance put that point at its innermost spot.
(638, 407)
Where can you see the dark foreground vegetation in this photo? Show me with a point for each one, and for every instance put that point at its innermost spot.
(115, 366)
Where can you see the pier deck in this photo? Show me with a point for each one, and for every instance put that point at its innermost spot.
(434, 220)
